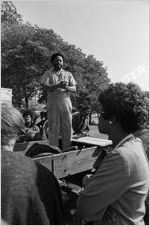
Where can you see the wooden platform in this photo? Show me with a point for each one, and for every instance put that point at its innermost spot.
(69, 163)
(69, 168)
(72, 162)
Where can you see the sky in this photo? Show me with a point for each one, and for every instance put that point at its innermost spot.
(113, 31)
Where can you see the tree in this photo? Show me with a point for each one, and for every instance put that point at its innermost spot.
(9, 13)
(92, 80)
(146, 94)
(26, 52)
(23, 61)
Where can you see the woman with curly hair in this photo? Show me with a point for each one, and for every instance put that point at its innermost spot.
(31, 131)
(116, 192)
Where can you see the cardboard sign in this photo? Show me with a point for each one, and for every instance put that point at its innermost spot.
(6, 96)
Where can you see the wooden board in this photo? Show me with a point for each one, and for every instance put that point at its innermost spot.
(46, 161)
(72, 162)
(93, 141)
(69, 163)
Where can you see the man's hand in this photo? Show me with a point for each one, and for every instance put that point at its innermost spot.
(62, 85)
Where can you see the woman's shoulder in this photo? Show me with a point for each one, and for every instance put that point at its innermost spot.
(130, 153)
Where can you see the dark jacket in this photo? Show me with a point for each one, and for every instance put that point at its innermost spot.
(30, 194)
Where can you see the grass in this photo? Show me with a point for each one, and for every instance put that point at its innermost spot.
(94, 129)
(95, 133)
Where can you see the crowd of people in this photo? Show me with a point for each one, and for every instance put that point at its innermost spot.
(115, 192)
(36, 126)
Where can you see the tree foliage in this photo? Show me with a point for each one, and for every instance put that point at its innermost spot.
(26, 51)
(9, 13)
(22, 61)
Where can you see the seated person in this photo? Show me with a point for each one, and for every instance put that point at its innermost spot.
(30, 193)
(31, 131)
(80, 120)
(116, 192)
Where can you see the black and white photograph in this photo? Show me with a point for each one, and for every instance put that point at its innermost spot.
(75, 112)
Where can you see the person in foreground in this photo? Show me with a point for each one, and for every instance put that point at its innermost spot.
(59, 83)
(116, 192)
(30, 194)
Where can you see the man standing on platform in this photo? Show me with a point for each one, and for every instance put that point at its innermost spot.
(59, 83)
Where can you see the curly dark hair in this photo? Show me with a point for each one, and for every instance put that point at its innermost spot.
(128, 103)
(29, 112)
(55, 55)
